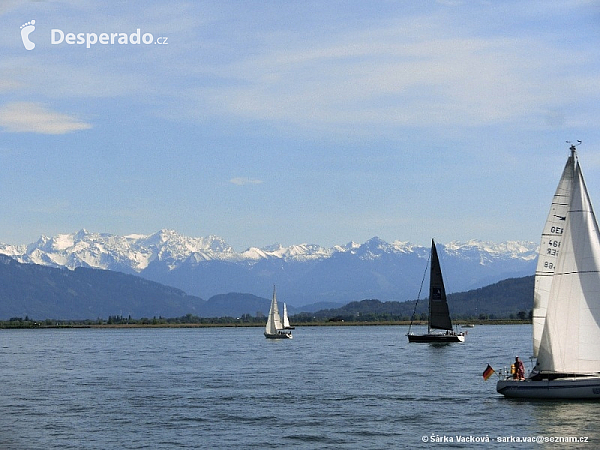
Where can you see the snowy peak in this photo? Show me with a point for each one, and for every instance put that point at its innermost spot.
(300, 252)
(488, 251)
(111, 252)
(135, 252)
(306, 273)
(169, 245)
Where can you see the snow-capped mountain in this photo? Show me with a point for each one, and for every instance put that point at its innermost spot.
(304, 273)
(132, 253)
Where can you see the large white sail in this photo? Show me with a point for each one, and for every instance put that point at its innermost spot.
(571, 332)
(274, 320)
(549, 249)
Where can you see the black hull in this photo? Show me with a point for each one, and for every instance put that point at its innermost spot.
(437, 338)
(278, 336)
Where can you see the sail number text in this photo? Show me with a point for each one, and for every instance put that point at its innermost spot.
(552, 249)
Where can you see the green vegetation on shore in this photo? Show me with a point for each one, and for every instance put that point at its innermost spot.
(190, 320)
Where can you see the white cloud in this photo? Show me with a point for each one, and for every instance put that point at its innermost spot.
(30, 117)
(8, 5)
(407, 74)
(8, 85)
(419, 70)
(241, 181)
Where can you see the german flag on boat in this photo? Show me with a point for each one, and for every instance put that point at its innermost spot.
(488, 372)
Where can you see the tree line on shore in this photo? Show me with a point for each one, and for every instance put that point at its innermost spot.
(318, 318)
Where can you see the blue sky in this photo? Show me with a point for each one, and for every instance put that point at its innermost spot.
(296, 121)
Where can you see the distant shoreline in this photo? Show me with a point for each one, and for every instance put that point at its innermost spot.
(253, 325)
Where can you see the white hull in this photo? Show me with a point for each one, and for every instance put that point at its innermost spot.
(559, 388)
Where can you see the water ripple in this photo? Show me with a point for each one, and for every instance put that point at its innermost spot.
(330, 387)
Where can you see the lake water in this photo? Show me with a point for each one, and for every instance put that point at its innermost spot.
(329, 387)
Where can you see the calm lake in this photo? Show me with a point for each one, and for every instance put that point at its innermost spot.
(329, 387)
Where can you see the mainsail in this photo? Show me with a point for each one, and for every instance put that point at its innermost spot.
(274, 320)
(552, 236)
(569, 342)
(439, 315)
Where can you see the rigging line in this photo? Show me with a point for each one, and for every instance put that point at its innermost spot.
(419, 296)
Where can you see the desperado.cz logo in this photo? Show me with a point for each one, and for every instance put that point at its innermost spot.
(89, 39)
(58, 36)
(26, 29)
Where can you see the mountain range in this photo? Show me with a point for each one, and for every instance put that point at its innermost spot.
(48, 293)
(308, 273)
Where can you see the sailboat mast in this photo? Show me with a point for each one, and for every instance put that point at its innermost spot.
(412, 318)
(429, 312)
(431, 281)
(573, 148)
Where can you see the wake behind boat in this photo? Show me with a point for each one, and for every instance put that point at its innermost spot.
(274, 328)
(439, 314)
(566, 310)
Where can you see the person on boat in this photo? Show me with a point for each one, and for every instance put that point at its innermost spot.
(519, 369)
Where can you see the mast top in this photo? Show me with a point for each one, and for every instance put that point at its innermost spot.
(573, 146)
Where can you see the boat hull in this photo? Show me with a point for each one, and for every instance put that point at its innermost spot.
(279, 336)
(560, 388)
(437, 338)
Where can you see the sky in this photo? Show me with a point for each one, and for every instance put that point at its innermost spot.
(319, 122)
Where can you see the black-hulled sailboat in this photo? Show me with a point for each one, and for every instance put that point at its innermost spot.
(439, 314)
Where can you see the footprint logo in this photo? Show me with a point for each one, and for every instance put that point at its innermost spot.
(26, 30)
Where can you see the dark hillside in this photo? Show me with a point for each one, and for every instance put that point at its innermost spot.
(504, 299)
(41, 292)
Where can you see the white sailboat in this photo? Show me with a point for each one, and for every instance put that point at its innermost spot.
(439, 314)
(566, 329)
(274, 328)
(286, 320)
